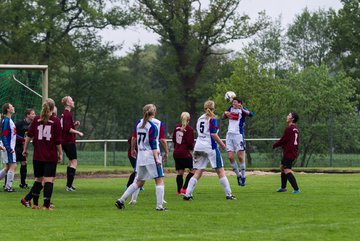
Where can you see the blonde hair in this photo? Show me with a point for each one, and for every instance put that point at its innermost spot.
(184, 117)
(47, 109)
(64, 100)
(209, 108)
(148, 111)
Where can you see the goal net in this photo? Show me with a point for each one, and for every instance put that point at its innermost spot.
(24, 86)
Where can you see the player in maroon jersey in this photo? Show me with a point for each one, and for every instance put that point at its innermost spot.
(68, 140)
(290, 145)
(45, 130)
(183, 139)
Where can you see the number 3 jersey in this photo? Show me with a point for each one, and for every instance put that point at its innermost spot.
(205, 126)
(45, 138)
(146, 138)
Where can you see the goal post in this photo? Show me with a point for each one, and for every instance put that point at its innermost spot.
(25, 86)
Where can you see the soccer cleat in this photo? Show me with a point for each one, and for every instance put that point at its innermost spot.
(26, 204)
(188, 198)
(281, 189)
(52, 205)
(47, 208)
(239, 180)
(36, 207)
(296, 191)
(161, 209)
(24, 186)
(9, 189)
(182, 191)
(243, 181)
(70, 189)
(230, 197)
(132, 202)
(119, 204)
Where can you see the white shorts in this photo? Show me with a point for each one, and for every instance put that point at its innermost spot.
(202, 158)
(8, 158)
(234, 142)
(149, 171)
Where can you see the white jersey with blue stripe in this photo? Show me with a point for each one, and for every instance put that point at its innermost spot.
(8, 134)
(146, 138)
(235, 123)
(205, 126)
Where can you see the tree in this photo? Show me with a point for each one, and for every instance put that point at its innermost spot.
(192, 31)
(309, 40)
(268, 46)
(346, 40)
(44, 32)
(324, 104)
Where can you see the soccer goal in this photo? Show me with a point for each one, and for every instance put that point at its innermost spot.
(24, 86)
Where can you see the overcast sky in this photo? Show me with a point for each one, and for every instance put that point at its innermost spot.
(288, 9)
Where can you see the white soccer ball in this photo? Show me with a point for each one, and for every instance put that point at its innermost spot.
(230, 95)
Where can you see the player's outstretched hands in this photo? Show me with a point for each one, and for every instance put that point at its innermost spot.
(77, 123)
(81, 134)
(25, 153)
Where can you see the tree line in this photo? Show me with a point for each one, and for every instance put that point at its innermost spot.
(310, 66)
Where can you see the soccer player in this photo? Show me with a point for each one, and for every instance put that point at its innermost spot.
(8, 138)
(21, 132)
(161, 139)
(183, 139)
(45, 130)
(290, 145)
(235, 142)
(149, 164)
(206, 150)
(68, 140)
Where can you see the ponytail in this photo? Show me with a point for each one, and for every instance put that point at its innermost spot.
(184, 117)
(148, 111)
(47, 109)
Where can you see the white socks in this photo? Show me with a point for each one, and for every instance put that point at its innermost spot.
(242, 168)
(159, 196)
(235, 168)
(130, 190)
(9, 180)
(191, 186)
(226, 186)
(2, 173)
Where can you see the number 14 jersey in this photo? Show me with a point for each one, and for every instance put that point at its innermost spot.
(45, 138)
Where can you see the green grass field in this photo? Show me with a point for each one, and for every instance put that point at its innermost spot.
(327, 209)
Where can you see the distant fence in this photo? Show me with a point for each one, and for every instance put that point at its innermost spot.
(119, 155)
(114, 153)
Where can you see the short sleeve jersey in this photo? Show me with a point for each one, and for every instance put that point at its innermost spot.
(146, 138)
(8, 134)
(289, 142)
(46, 136)
(205, 127)
(183, 141)
(67, 123)
(234, 120)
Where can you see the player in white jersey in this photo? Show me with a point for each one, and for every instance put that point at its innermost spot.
(148, 162)
(161, 138)
(235, 142)
(8, 138)
(206, 150)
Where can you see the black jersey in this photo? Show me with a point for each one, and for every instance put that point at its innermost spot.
(21, 131)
